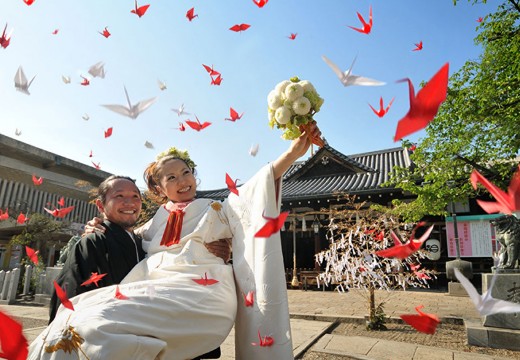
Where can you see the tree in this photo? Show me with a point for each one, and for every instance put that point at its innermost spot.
(355, 233)
(39, 231)
(476, 127)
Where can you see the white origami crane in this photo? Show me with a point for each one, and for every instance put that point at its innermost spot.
(485, 304)
(97, 70)
(161, 84)
(348, 79)
(148, 144)
(18, 132)
(66, 79)
(253, 150)
(85, 117)
(20, 81)
(180, 111)
(132, 111)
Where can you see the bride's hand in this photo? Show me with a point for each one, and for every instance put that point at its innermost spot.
(93, 226)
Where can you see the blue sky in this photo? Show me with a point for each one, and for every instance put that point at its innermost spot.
(164, 45)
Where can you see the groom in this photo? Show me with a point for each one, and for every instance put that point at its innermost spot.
(115, 250)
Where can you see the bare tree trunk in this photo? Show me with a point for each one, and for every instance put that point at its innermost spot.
(372, 305)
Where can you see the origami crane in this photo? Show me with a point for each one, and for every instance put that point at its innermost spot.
(162, 85)
(347, 78)
(272, 226)
(260, 3)
(5, 39)
(140, 10)
(62, 295)
(292, 36)
(20, 81)
(94, 279)
(180, 111)
(425, 323)
(424, 105)
(148, 144)
(105, 32)
(231, 184)
(190, 14)
(31, 254)
(506, 203)
(66, 79)
(418, 46)
(18, 132)
(97, 70)
(402, 250)
(60, 213)
(253, 150)
(234, 115)
(132, 111)
(485, 303)
(382, 111)
(14, 344)
(367, 27)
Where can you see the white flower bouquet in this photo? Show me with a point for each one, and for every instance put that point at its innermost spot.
(292, 105)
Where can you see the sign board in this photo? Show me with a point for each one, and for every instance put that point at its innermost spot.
(476, 236)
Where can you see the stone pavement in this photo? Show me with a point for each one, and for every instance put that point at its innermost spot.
(313, 313)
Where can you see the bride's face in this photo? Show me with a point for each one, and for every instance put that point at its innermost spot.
(176, 181)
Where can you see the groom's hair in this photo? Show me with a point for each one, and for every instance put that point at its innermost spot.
(106, 185)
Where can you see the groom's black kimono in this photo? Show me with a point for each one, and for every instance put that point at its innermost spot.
(114, 253)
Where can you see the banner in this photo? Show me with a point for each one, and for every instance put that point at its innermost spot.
(476, 236)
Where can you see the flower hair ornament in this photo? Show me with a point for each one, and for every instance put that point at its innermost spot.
(175, 153)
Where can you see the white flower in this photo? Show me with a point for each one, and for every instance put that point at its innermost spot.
(274, 100)
(280, 87)
(293, 91)
(283, 115)
(301, 106)
(307, 86)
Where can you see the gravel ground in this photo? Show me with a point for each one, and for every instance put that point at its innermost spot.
(448, 336)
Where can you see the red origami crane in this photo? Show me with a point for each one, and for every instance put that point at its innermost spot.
(418, 46)
(105, 32)
(292, 36)
(13, 344)
(425, 323)
(479, 19)
(94, 278)
(217, 80)
(61, 201)
(260, 3)
(85, 81)
(139, 11)
(190, 14)
(62, 295)
(108, 132)
(55, 31)
(97, 166)
(402, 250)
(232, 185)
(425, 105)
(382, 111)
(249, 298)
(239, 27)
(32, 255)
(210, 70)
(205, 281)
(419, 274)
(37, 181)
(119, 295)
(366, 27)
(506, 203)
(273, 225)
(197, 125)
(264, 341)
(60, 213)
(4, 215)
(234, 115)
(5, 39)
(28, 2)
(21, 219)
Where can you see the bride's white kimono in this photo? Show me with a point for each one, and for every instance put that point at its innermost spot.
(168, 315)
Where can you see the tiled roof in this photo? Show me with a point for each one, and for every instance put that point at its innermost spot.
(354, 174)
